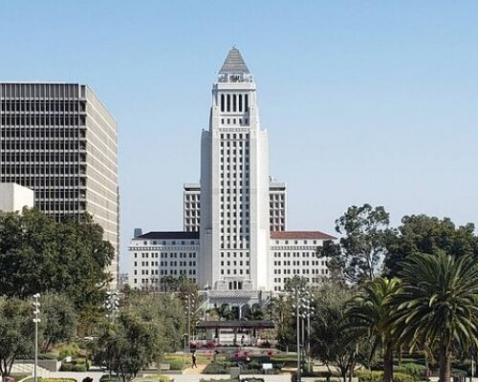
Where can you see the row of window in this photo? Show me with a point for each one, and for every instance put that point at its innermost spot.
(234, 103)
(234, 263)
(165, 255)
(234, 121)
(41, 90)
(297, 242)
(171, 242)
(234, 271)
(48, 106)
(306, 271)
(43, 120)
(295, 254)
(166, 263)
(304, 262)
(157, 281)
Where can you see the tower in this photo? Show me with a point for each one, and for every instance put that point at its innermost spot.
(234, 226)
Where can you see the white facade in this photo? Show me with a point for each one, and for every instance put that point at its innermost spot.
(192, 204)
(295, 254)
(14, 197)
(191, 207)
(235, 186)
(156, 255)
(234, 244)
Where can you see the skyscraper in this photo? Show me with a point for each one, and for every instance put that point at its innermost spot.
(234, 242)
(59, 140)
(235, 184)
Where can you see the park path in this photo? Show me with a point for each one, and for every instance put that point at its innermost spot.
(195, 371)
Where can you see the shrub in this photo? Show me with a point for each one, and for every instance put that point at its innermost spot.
(66, 366)
(369, 376)
(106, 378)
(176, 364)
(415, 370)
(80, 368)
(217, 368)
(66, 350)
(402, 377)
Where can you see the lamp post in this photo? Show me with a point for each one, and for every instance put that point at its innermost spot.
(299, 306)
(112, 306)
(36, 320)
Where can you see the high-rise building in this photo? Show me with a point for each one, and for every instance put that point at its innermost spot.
(235, 183)
(192, 206)
(59, 140)
(235, 243)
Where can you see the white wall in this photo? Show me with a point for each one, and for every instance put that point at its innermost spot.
(14, 197)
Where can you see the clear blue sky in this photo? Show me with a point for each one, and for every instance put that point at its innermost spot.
(364, 101)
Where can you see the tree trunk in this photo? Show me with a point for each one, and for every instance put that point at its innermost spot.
(445, 362)
(388, 362)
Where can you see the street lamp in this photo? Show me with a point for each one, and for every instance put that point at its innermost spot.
(112, 304)
(299, 306)
(36, 320)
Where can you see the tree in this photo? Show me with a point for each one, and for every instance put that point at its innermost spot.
(128, 346)
(40, 255)
(296, 282)
(368, 317)
(328, 341)
(17, 332)
(58, 318)
(147, 326)
(359, 254)
(425, 234)
(437, 304)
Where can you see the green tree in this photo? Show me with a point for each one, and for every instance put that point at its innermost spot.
(425, 234)
(129, 345)
(296, 282)
(147, 326)
(40, 255)
(17, 332)
(328, 341)
(437, 305)
(368, 317)
(58, 318)
(359, 254)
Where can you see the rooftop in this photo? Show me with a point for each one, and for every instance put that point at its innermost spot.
(298, 235)
(234, 63)
(164, 235)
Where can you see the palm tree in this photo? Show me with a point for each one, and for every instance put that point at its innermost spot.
(437, 305)
(367, 316)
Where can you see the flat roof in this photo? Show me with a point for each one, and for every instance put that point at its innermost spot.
(300, 235)
(165, 235)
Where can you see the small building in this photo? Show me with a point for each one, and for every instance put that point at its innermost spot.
(14, 197)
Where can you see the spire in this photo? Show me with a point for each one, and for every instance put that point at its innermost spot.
(234, 63)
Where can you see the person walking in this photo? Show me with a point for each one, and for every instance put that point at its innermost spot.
(193, 357)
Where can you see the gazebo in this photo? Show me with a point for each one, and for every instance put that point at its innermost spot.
(232, 332)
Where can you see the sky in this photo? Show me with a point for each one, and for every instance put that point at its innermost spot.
(364, 101)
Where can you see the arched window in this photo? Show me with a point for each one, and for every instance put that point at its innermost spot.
(228, 102)
(222, 102)
(234, 103)
(246, 102)
(240, 102)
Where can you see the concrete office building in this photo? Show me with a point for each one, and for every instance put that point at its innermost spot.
(13, 197)
(59, 140)
(234, 220)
